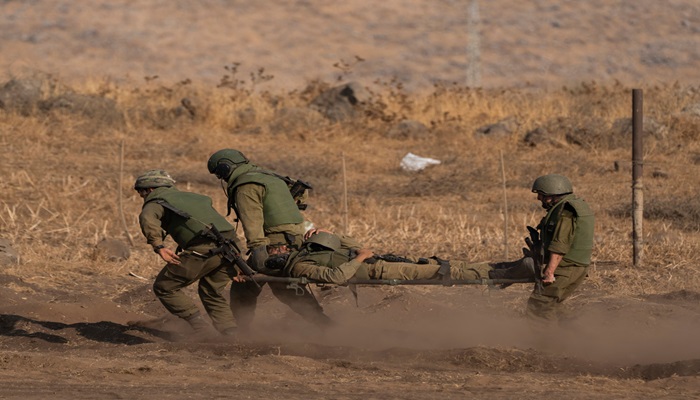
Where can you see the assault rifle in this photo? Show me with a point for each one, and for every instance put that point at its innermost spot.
(227, 247)
(297, 190)
(228, 250)
(536, 251)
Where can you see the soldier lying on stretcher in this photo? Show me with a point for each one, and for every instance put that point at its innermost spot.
(329, 258)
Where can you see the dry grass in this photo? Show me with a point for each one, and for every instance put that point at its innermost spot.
(60, 168)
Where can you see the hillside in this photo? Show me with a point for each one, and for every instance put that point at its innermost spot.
(539, 43)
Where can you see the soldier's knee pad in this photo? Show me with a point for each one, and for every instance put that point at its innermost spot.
(158, 289)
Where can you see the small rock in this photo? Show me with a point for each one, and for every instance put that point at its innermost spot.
(341, 102)
(408, 129)
(112, 250)
(8, 254)
(659, 174)
(501, 128)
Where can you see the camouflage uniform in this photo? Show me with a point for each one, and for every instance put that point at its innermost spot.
(158, 219)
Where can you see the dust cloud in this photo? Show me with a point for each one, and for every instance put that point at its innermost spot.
(624, 335)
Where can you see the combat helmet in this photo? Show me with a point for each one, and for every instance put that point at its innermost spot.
(324, 239)
(154, 178)
(224, 161)
(552, 185)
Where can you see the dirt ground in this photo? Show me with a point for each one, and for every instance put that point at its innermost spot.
(397, 342)
(418, 342)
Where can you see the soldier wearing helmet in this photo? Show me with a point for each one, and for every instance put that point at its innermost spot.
(183, 216)
(566, 236)
(270, 218)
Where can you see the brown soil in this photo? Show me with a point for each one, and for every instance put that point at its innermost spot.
(398, 342)
(78, 340)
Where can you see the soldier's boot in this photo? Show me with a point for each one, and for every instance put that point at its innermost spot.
(497, 274)
(198, 323)
(230, 332)
(506, 264)
(521, 269)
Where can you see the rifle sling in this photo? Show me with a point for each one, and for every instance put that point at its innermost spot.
(174, 209)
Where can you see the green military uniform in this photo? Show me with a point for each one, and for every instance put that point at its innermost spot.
(338, 266)
(320, 269)
(566, 229)
(265, 207)
(269, 216)
(159, 217)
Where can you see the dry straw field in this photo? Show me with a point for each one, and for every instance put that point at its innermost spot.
(94, 93)
(71, 154)
(61, 167)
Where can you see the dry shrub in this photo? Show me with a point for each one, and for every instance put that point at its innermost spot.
(681, 213)
(59, 173)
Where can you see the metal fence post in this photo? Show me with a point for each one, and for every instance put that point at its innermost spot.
(637, 186)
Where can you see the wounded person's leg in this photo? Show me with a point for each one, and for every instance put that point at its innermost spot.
(520, 269)
(459, 270)
(399, 270)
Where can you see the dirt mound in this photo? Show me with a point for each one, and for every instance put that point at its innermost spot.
(659, 371)
(683, 297)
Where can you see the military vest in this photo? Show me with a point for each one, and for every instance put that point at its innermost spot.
(198, 206)
(279, 207)
(582, 246)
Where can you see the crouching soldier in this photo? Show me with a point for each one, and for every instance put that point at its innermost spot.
(271, 219)
(185, 216)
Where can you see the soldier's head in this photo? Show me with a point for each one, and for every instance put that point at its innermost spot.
(550, 188)
(152, 179)
(224, 162)
(323, 241)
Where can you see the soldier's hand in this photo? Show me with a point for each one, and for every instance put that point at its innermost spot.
(314, 231)
(363, 254)
(548, 276)
(169, 256)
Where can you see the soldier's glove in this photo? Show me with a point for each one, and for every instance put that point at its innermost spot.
(257, 258)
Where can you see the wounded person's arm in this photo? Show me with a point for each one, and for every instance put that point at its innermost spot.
(338, 275)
